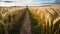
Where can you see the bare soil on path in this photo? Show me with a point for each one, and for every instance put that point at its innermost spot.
(26, 27)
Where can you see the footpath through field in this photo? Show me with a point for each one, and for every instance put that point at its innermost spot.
(23, 25)
(26, 27)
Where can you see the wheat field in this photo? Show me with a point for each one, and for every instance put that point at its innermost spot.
(9, 16)
(48, 18)
(30, 20)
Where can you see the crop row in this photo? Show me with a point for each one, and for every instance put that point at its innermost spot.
(9, 17)
(48, 19)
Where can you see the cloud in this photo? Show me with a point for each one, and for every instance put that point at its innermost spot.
(44, 1)
(18, 3)
(25, 2)
(9, 0)
(58, 1)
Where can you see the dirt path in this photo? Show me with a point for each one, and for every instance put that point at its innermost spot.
(26, 27)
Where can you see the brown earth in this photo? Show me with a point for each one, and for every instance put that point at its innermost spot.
(26, 25)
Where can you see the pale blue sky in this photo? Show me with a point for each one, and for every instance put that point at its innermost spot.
(25, 2)
(41, 0)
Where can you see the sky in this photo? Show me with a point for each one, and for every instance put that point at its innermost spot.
(25, 2)
(57, 1)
